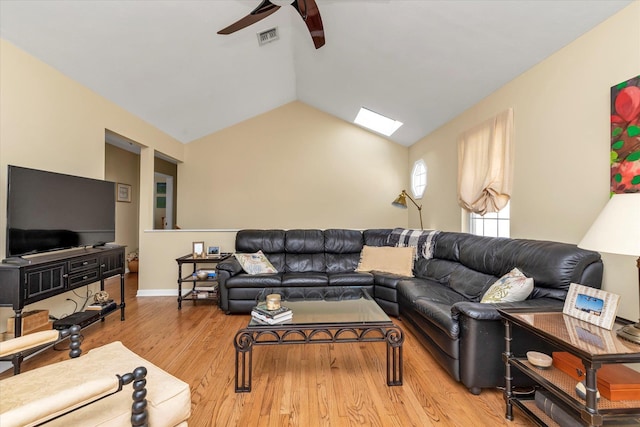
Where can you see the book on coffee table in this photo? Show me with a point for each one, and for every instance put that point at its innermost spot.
(271, 321)
(272, 314)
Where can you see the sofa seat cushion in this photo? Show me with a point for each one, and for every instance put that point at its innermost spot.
(305, 279)
(439, 314)
(244, 280)
(168, 398)
(433, 302)
(350, 279)
(387, 280)
(385, 285)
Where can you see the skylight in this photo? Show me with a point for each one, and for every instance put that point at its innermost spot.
(376, 122)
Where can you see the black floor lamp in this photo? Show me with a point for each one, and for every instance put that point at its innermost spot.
(401, 202)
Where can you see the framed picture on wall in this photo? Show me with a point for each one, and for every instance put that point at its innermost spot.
(123, 192)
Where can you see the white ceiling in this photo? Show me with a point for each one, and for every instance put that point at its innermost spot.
(419, 62)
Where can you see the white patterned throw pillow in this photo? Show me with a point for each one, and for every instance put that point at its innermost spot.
(512, 287)
(255, 263)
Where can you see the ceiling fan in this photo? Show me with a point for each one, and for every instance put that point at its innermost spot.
(308, 10)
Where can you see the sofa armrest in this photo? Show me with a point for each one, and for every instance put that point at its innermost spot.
(487, 311)
(230, 265)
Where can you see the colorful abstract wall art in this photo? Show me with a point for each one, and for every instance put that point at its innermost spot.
(625, 137)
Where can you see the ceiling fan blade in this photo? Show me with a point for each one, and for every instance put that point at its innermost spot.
(265, 9)
(310, 13)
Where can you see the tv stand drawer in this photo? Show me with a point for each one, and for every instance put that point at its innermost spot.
(84, 278)
(83, 264)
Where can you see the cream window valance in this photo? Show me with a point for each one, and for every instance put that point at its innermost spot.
(485, 162)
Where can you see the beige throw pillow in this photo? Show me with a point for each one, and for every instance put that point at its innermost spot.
(388, 259)
(512, 287)
(255, 263)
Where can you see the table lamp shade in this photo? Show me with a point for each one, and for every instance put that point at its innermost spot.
(617, 231)
(617, 228)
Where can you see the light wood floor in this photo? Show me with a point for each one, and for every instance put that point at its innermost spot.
(294, 385)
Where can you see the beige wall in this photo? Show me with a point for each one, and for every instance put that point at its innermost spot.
(293, 167)
(158, 260)
(123, 167)
(48, 121)
(561, 116)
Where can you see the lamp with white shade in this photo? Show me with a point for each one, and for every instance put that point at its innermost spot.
(617, 231)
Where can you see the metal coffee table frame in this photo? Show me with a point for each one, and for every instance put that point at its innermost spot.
(317, 333)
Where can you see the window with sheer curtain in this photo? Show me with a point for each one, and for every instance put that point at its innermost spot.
(485, 162)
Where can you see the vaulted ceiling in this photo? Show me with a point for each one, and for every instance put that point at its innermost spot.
(419, 62)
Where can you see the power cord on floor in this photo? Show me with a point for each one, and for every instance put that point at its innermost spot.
(86, 297)
(76, 304)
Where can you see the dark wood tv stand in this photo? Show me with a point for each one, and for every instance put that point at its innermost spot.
(47, 275)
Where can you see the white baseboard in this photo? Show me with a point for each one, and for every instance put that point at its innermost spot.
(159, 292)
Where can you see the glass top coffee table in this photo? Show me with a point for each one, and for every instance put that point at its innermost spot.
(335, 315)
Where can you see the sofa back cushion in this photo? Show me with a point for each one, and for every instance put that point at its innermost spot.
(304, 251)
(470, 283)
(376, 236)
(270, 242)
(550, 264)
(342, 250)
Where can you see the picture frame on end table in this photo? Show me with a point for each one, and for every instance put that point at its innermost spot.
(123, 192)
(592, 305)
(198, 250)
(213, 251)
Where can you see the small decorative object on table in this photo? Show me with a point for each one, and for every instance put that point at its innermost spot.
(581, 391)
(539, 360)
(202, 274)
(273, 301)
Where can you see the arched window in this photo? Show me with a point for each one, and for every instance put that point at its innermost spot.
(418, 179)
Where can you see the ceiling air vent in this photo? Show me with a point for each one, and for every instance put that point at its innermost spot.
(267, 36)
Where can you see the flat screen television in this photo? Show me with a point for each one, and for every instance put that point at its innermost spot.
(48, 211)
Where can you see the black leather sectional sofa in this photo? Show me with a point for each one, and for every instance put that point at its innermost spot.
(441, 303)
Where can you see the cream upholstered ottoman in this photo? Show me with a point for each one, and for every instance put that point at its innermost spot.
(168, 398)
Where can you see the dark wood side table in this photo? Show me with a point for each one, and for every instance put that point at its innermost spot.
(193, 293)
(595, 346)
